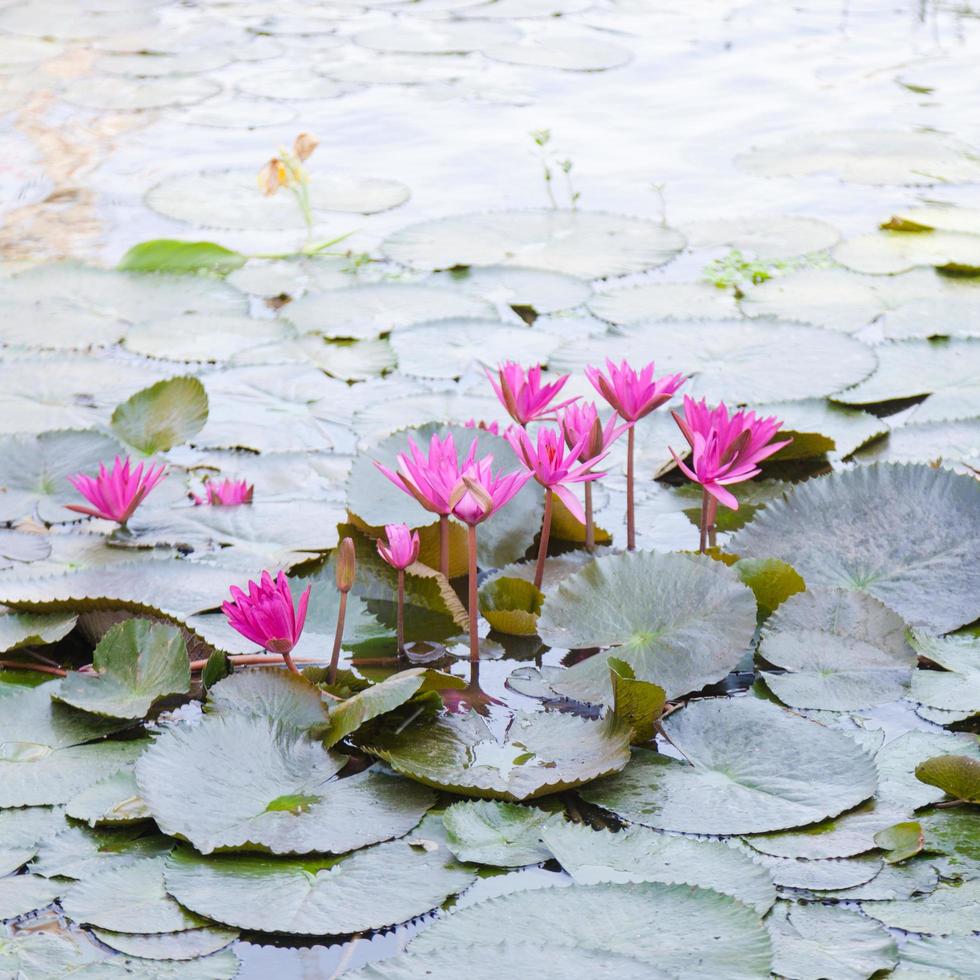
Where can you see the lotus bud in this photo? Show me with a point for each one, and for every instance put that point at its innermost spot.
(346, 569)
(304, 145)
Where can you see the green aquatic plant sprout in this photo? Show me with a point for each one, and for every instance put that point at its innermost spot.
(550, 164)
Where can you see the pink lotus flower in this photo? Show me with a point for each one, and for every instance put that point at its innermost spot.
(228, 493)
(724, 449)
(493, 427)
(554, 466)
(266, 615)
(430, 479)
(581, 423)
(402, 548)
(480, 493)
(633, 395)
(115, 494)
(522, 393)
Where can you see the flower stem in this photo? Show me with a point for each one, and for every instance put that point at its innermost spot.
(400, 628)
(17, 665)
(712, 516)
(474, 601)
(444, 544)
(705, 506)
(630, 516)
(545, 536)
(338, 638)
(589, 520)
(288, 660)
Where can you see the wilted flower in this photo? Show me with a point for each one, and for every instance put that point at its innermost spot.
(267, 616)
(273, 176)
(633, 395)
(228, 493)
(304, 145)
(402, 546)
(522, 393)
(115, 494)
(724, 449)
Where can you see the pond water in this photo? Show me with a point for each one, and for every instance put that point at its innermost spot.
(765, 132)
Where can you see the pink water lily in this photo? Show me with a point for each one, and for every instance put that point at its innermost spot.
(581, 421)
(400, 550)
(554, 466)
(633, 395)
(431, 479)
(267, 616)
(227, 493)
(480, 493)
(522, 393)
(115, 494)
(725, 449)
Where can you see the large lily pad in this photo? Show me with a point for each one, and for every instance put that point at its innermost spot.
(699, 933)
(887, 253)
(219, 966)
(950, 444)
(680, 622)
(905, 534)
(565, 53)
(951, 910)
(132, 95)
(898, 760)
(274, 694)
(40, 954)
(33, 629)
(814, 941)
(579, 243)
(187, 944)
(129, 898)
(734, 360)
(369, 889)
(664, 301)
(135, 663)
(20, 894)
(640, 854)
(842, 650)
(768, 238)
(539, 753)
(276, 795)
(955, 956)
(435, 36)
(945, 370)
(80, 853)
(21, 830)
(748, 767)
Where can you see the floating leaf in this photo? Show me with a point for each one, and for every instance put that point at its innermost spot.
(699, 933)
(133, 95)
(491, 832)
(33, 629)
(768, 238)
(39, 954)
(680, 622)
(80, 853)
(511, 605)
(520, 289)
(277, 695)
(893, 881)
(578, 243)
(664, 301)
(820, 876)
(22, 829)
(898, 759)
(904, 534)
(113, 800)
(888, 253)
(950, 444)
(250, 784)
(539, 753)
(566, 53)
(195, 337)
(188, 944)
(435, 37)
(369, 889)
(181, 258)
(20, 894)
(951, 910)
(956, 775)
(640, 854)
(136, 663)
(843, 650)
(639, 703)
(811, 942)
(162, 416)
(955, 956)
(772, 582)
(128, 898)
(752, 767)
(220, 966)
(957, 688)
(901, 841)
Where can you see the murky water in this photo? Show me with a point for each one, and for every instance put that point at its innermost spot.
(703, 82)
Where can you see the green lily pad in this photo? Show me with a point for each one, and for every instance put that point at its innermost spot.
(511, 605)
(680, 622)
(22, 829)
(33, 629)
(950, 444)
(842, 650)
(369, 889)
(892, 882)
(188, 944)
(951, 910)
(535, 289)
(539, 753)
(936, 218)
(34, 472)
(639, 703)
(818, 426)
(945, 370)
(887, 253)
(590, 245)
(113, 800)
(868, 157)
(492, 832)
(136, 663)
(640, 854)
(772, 582)
(940, 956)
(20, 894)
(954, 834)
(200, 338)
(956, 775)
(700, 933)
(40, 954)
(379, 308)
(128, 898)
(811, 942)
(664, 301)
(80, 853)
(957, 687)
(734, 360)
(901, 841)
(219, 966)
(274, 694)
(904, 534)
(162, 416)
(276, 797)
(819, 876)
(898, 760)
(750, 767)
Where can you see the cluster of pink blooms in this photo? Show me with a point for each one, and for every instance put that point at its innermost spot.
(724, 449)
